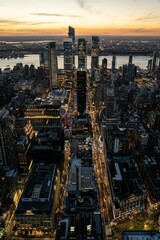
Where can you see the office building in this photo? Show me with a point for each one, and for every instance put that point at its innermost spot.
(44, 61)
(154, 61)
(35, 213)
(82, 60)
(114, 63)
(128, 196)
(81, 91)
(95, 53)
(81, 226)
(149, 67)
(80, 177)
(68, 57)
(23, 147)
(130, 59)
(71, 34)
(7, 152)
(53, 65)
(104, 64)
(150, 173)
(42, 113)
(48, 145)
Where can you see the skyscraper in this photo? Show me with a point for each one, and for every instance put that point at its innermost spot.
(68, 56)
(82, 53)
(130, 59)
(7, 153)
(104, 63)
(71, 34)
(53, 66)
(95, 53)
(81, 91)
(114, 63)
(44, 58)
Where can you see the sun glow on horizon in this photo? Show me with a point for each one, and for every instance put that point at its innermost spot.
(127, 17)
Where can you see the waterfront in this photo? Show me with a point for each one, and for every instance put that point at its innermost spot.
(140, 61)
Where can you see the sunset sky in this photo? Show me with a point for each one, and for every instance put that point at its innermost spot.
(103, 17)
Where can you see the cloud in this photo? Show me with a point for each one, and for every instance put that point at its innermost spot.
(84, 4)
(56, 15)
(148, 17)
(6, 22)
(40, 23)
(10, 21)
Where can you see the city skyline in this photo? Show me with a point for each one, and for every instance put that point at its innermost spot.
(128, 18)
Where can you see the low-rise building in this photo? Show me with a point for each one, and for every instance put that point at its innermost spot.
(36, 209)
(127, 189)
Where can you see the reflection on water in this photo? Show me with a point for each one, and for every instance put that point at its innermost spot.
(140, 61)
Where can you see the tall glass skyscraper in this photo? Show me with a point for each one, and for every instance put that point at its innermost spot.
(114, 63)
(71, 34)
(95, 52)
(68, 55)
(82, 63)
(81, 91)
(53, 65)
(7, 153)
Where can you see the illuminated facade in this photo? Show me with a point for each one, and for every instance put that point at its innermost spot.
(42, 114)
(53, 65)
(23, 147)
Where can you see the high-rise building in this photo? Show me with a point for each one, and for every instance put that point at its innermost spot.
(68, 56)
(114, 63)
(53, 65)
(44, 58)
(155, 62)
(104, 63)
(7, 152)
(95, 52)
(81, 91)
(82, 63)
(71, 34)
(130, 59)
(150, 65)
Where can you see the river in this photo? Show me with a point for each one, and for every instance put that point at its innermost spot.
(141, 61)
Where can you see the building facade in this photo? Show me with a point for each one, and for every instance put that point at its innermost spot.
(81, 91)
(82, 60)
(53, 65)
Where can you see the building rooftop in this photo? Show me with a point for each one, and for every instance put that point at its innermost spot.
(125, 179)
(85, 201)
(37, 195)
(140, 235)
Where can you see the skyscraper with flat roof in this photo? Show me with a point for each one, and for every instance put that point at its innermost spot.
(81, 91)
(71, 34)
(114, 63)
(95, 52)
(7, 152)
(53, 65)
(68, 57)
(82, 63)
